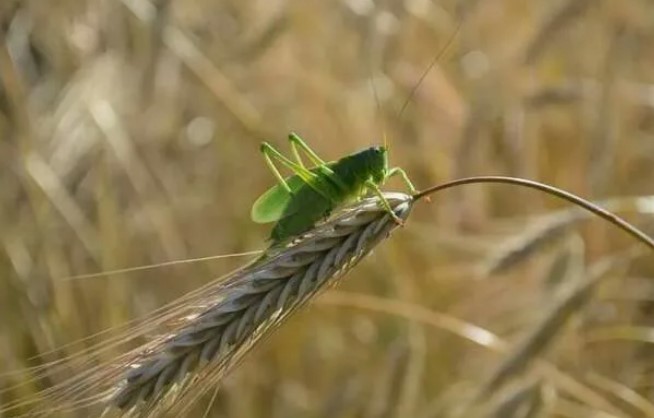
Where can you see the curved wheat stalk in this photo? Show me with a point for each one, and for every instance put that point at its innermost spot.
(211, 334)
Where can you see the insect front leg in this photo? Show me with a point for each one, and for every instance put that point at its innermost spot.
(397, 171)
(387, 206)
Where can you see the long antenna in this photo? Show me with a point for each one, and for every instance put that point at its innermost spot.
(378, 104)
(424, 74)
(433, 62)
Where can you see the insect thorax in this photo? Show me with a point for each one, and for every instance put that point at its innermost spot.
(356, 169)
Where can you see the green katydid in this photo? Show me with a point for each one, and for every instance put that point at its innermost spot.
(308, 196)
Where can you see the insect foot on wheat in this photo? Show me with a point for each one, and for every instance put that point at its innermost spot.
(234, 316)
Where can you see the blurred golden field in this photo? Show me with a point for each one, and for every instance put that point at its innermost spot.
(129, 136)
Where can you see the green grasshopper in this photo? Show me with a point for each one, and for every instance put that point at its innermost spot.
(311, 194)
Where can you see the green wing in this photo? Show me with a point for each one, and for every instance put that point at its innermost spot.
(271, 205)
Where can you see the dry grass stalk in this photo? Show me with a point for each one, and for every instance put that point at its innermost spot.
(566, 14)
(531, 241)
(639, 404)
(537, 341)
(183, 47)
(524, 401)
(173, 371)
(550, 228)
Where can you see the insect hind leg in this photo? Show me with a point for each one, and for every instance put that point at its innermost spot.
(298, 143)
(269, 153)
(267, 150)
(312, 179)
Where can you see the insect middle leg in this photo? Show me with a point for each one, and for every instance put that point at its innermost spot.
(397, 171)
(387, 206)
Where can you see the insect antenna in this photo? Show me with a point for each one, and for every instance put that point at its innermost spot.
(373, 80)
(378, 105)
(371, 66)
(375, 93)
(431, 65)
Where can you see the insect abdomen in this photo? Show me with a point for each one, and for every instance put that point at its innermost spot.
(313, 207)
(308, 206)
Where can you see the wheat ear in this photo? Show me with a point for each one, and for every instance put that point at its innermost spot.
(234, 316)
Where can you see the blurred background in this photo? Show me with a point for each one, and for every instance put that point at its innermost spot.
(130, 132)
